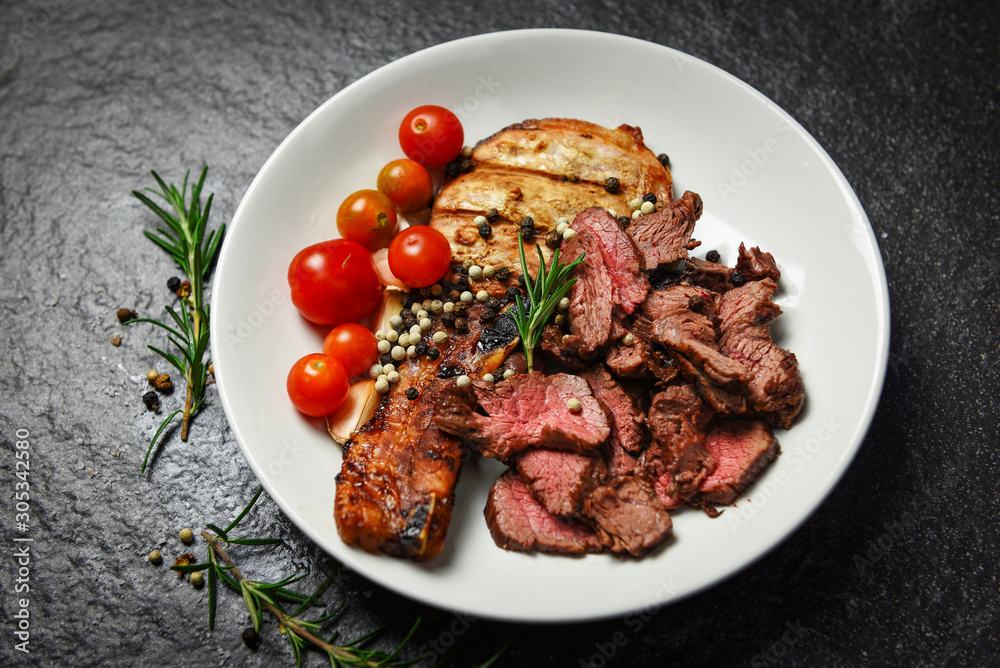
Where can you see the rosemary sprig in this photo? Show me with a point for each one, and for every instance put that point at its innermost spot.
(258, 597)
(544, 293)
(186, 241)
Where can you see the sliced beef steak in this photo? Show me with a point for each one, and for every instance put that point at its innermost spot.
(627, 427)
(776, 390)
(756, 265)
(528, 410)
(590, 303)
(709, 275)
(627, 516)
(681, 318)
(665, 236)
(742, 448)
(518, 521)
(621, 258)
(559, 479)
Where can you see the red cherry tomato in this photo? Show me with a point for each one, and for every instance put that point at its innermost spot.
(431, 135)
(407, 184)
(317, 385)
(334, 282)
(353, 345)
(367, 217)
(419, 256)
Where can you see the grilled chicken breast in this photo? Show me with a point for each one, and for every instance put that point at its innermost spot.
(544, 169)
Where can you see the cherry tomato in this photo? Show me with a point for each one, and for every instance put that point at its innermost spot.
(367, 217)
(419, 256)
(407, 184)
(353, 345)
(431, 135)
(317, 385)
(334, 281)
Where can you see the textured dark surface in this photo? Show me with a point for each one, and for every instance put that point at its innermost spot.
(899, 566)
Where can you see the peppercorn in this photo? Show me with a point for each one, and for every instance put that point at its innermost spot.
(461, 324)
(162, 383)
(173, 284)
(649, 197)
(125, 314)
(492, 216)
(250, 638)
(385, 358)
(407, 303)
(527, 221)
(454, 296)
(553, 239)
(197, 579)
(116, 340)
(453, 168)
(152, 375)
(624, 221)
(512, 292)
(185, 290)
(527, 233)
(460, 308)
(574, 405)
(422, 348)
(155, 557)
(186, 535)
(488, 315)
(433, 354)
(152, 401)
(411, 393)
(493, 303)
(485, 231)
(520, 281)
(612, 185)
(664, 160)
(737, 278)
(713, 256)
(503, 273)
(448, 319)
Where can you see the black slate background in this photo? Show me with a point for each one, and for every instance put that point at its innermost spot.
(898, 567)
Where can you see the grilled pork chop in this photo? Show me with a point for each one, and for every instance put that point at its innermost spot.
(543, 169)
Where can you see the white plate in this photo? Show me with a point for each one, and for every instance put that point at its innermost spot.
(764, 180)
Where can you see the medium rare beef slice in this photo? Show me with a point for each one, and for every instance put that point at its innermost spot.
(590, 303)
(518, 521)
(776, 391)
(559, 479)
(665, 236)
(678, 461)
(628, 422)
(528, 410)
(627, 516)
(619, 254)
(742, 448)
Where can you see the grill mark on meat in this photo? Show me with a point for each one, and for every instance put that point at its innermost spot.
(528, 410)
(776, 391)
(518, 521)
(743, 449)
(665, 236)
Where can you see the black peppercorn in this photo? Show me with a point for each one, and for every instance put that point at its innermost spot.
(250, 638)
(553, 239)
(173, 284)
(512, 292)
(426, 292)
(407, 303)
(612, 185)
(737, 278)
(493, 216)
(454, 295)
(713, 256)
(485, 231)
(124, 315)
(453, 168)
(664, 160)
(520, 281)
(502, 274)
(422, 348)
(461, 324)
(649, 197)
(460, 308)
(488, 315)
(409, 321)
(151, 400)
(527, 221)
(624, 221)
(448, 319)
(493, 303)
(527, 233)
(411, 393)
(385, 358)
(433, 354)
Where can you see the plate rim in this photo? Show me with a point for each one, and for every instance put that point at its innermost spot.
(880, 293)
